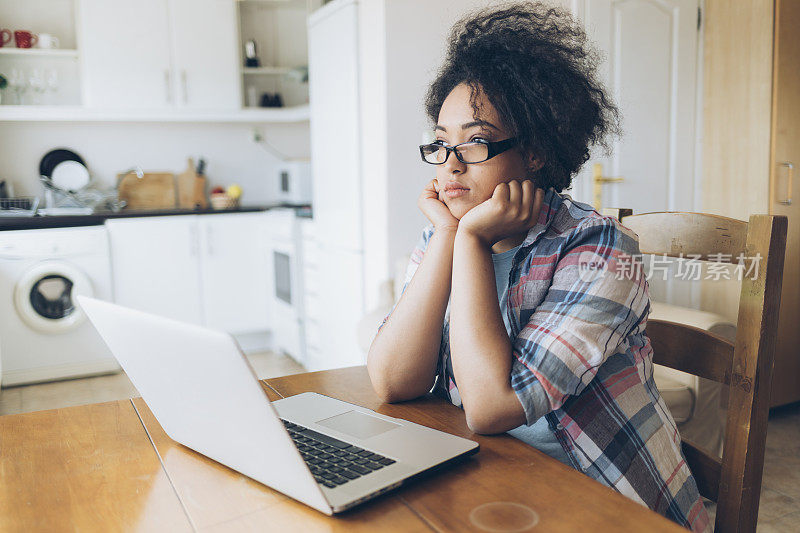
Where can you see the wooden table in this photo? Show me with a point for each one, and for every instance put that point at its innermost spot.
(110, 467)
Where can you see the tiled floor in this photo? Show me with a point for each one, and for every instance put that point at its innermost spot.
(111, 387)
(780, 495)
(779, 510)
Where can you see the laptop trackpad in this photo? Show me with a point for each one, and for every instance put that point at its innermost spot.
(358, 425)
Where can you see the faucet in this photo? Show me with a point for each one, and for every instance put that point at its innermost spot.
(117, 204)
(133, 170)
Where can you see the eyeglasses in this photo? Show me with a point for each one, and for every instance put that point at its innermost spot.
(470, 152)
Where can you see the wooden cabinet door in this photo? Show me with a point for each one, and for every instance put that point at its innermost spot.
(206, 66)
(154, 263)
(125, 52)
(234, 272)
(786, 196)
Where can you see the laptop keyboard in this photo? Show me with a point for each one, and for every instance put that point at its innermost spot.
(333, 462)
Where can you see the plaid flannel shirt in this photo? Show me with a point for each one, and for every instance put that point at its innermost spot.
(577, 304)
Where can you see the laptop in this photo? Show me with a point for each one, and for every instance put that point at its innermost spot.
(326, 453)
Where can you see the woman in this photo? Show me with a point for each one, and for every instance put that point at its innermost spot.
(520, 305)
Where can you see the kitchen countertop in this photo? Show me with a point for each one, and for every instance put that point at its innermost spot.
(98, 218)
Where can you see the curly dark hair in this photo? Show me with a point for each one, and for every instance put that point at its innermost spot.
(534, 64)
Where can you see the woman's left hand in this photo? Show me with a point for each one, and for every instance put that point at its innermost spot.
(513, 208)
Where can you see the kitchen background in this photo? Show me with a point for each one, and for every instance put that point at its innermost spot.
(265, 93)
(111, 147)
(302, 267)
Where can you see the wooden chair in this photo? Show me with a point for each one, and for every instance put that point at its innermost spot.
(746, 366)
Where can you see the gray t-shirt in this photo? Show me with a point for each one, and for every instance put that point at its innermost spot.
(539, 435)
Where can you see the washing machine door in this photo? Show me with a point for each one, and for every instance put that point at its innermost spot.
(44, 296)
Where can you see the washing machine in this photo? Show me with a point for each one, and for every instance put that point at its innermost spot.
(44, 335)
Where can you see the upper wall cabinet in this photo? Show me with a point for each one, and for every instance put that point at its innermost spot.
(204, 44)
(159, 54)
(126, 55)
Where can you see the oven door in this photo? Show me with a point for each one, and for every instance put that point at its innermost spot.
(287, 330)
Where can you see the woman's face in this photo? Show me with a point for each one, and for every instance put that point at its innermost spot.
(463, 186)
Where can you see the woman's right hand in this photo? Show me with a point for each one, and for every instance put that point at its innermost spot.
(435, 209)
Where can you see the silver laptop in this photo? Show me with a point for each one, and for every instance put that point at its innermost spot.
(326, 453)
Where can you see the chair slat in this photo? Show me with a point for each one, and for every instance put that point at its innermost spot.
(691, 350)
(748, 403)
(689, 234)
(705, 468)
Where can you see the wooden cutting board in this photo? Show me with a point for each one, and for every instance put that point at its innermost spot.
(155, 190)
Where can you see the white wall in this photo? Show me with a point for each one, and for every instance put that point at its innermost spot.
(108, 148)
(415, 47)
(403, 45)
(374, 163)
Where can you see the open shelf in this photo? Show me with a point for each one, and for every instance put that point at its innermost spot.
(279, 31)
(38, 52)
(23, 113)
(266, 70)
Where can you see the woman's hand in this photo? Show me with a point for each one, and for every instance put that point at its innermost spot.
(513, 208)
(435, 209)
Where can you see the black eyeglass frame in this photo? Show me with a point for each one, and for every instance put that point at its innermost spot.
(493, 149)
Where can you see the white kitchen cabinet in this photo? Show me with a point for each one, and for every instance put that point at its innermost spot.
(206, 59)
(203, 269)
(154, 54)
(335, 142)
(309, 252)
(334, 278)
(234, 272)
(154, 262)
(125, 49)
(335, 321)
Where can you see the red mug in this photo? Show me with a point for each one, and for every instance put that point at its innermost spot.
(25, 39)
(5, 37)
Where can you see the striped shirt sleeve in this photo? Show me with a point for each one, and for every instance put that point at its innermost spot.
(598, 296)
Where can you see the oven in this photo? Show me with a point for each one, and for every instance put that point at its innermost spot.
(285, 286)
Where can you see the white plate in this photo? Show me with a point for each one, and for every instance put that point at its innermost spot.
(70, 176)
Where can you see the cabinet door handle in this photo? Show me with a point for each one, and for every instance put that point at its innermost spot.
(185, 87)
(209, 238)
(790, 175)
(168, 85)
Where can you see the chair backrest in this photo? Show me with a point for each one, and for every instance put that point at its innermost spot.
(745, 366)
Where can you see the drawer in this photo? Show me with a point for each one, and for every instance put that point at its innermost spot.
(313, 338)
(310, 253)
(312, 303)
(280, 224)
(311, 282)
(313, 357)
(307, 229)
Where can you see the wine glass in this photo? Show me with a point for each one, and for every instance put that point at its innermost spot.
(52, 83)
(37, 84)
(17, 84)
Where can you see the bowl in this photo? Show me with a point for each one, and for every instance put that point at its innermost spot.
(221, 201)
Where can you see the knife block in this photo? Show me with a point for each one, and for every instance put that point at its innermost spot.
(191, 188)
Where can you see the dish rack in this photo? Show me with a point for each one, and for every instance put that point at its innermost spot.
(22, 206)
